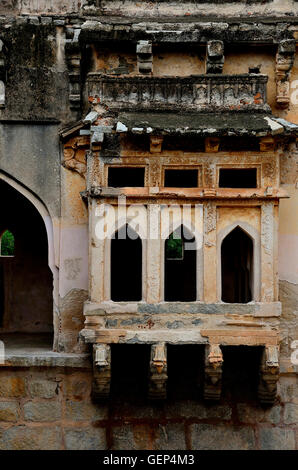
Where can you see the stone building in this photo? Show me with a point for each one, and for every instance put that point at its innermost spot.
(149, 225)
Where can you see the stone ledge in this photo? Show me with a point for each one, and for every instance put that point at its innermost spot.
(50, 359)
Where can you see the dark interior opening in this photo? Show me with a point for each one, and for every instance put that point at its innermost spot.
(126, 266)
(2, 293)
(180, 277)
(238, 178)
(185, 371)
(181, 178)
(237, 267)
(124, 177)
(130, 369)
(241, 367)
(26, 281)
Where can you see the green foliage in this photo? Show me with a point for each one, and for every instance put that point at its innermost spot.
(174, 248)
(7, 244)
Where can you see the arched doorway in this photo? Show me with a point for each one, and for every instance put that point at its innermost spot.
(237, 267)
(180, 267)
(126, 266)
(26, 280)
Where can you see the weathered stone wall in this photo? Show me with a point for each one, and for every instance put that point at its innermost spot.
(51, 409)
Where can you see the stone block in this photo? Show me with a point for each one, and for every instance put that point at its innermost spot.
(291, 414)
(123, 438)
(43, 389)
(85, 438)
(77, 387)
(170, 437)
(42, 411)
(27, 438)
(213, 437)
(11, 386)
(195, 410)
(82, 411)
(288, 389)
(9, 411)
(256, 414)
(277, 439)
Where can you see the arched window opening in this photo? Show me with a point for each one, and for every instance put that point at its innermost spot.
(26, 281)
(180, 280)
(237, 267)
(7, 244)
(126, 266)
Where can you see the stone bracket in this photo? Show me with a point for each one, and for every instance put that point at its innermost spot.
(158, 372)
(156, 144)
(144, 57)
(269, 375)
(73, 55)
(215, 57)
(284, 63)
(213, 372)
(101, 371)
(212, 144)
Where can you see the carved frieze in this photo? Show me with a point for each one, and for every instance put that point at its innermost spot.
(227, 92)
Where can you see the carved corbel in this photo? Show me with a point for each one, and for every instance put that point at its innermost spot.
(155, 144)
(215, 57)
(213, 372)
(212, 144)
(73, 60)
(2, 73)
(267, 144)
(284, 63)
(269, 375)
(158, 372)
(101, 371)
(145, 57)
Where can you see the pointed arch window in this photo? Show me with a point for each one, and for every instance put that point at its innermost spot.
(180, 275)
(126, 266)
(237, 267)
(7, 244)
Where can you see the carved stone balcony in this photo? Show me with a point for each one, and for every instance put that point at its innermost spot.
(195, 93)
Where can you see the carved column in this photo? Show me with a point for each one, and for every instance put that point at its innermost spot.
(73, 59)
(101, 371)
(213, 372)
(158, 372)
(269, 375)
(215, 57)
(284, 63)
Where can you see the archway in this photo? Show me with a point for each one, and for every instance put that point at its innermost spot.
(27, 280)
(237, 267)
(180, 267)
(126, 266)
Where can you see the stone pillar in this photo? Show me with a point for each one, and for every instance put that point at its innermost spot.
(101, 371)
(213, 372)
(158, 372)
(269, 375)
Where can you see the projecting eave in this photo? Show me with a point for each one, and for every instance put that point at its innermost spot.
(204, 124)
